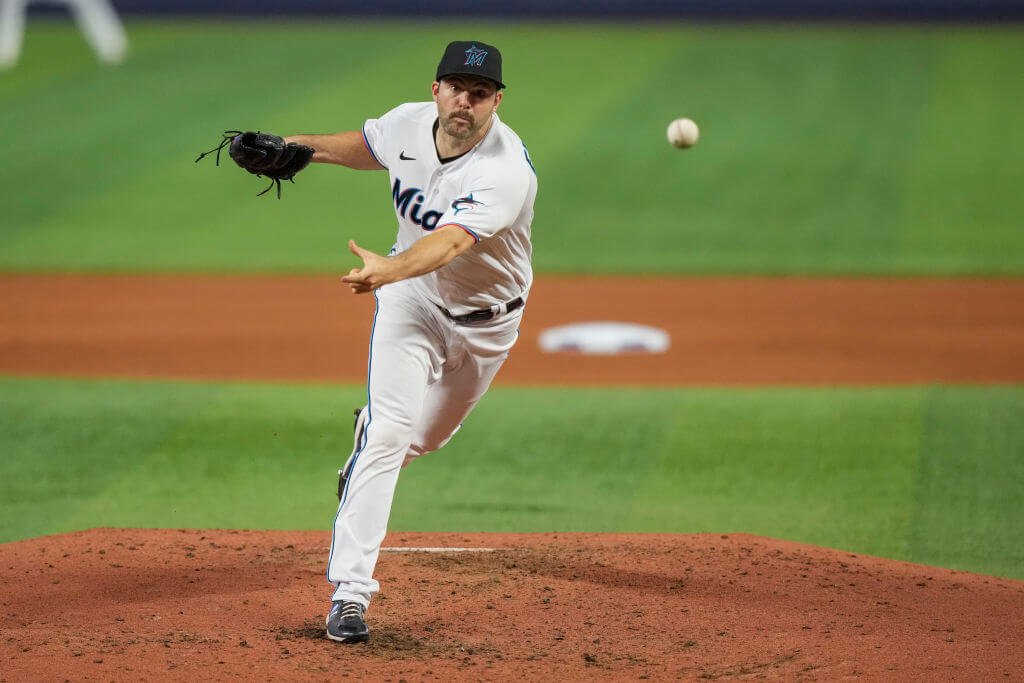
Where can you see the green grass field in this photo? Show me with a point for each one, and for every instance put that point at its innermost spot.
(839, 149)
(931, 475)
(825, 150)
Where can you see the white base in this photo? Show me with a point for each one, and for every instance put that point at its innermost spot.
(604, 338)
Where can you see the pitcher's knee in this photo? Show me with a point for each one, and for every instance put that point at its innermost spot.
(416, 450)
(441, 439)
(429, 442)
(411, 455)
(432, 445)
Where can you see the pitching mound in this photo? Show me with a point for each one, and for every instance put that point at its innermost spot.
(132, 604)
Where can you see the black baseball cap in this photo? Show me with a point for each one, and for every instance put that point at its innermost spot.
(471, 58)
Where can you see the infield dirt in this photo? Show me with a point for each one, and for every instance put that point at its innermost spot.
(731, 331)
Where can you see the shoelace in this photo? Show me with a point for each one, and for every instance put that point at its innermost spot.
(351, 609)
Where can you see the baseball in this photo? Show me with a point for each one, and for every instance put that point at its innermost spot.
(683, 133)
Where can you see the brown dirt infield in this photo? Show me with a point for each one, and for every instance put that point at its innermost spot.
(732, 331)
(127, 604)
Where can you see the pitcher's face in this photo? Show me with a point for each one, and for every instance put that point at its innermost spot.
(465, 104)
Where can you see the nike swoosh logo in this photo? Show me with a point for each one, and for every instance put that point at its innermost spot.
(402, 156)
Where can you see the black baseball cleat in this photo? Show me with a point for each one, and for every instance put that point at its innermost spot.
(358, 427)
(345, 623)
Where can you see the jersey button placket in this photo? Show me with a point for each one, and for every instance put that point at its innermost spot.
(428, 191)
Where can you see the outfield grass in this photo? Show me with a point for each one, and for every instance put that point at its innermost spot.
(927, 474)
(838, 149)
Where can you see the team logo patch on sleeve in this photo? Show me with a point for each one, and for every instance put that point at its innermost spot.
(466, 203)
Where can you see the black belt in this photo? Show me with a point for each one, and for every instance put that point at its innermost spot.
(483, 314)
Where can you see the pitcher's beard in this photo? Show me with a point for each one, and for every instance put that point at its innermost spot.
(460, 132)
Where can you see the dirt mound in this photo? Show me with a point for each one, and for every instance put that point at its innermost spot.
(174, 604)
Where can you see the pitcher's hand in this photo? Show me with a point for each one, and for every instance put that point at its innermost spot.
(377, 271)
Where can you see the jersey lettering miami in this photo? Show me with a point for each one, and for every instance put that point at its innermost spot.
(489, 192)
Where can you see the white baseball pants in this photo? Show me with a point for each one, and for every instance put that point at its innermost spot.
(425, 375)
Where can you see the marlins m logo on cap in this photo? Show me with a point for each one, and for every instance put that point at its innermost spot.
(475, 56)
(470, 58)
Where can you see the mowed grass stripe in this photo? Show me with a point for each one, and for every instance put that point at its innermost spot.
(927, 474)
(120, 189)
(787, 169)
(969, 482)
(842, 467)
(965, 160)
(824, 149)
(64, 443)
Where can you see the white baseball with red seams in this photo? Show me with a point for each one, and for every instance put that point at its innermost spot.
(683, 133)
(426, 371)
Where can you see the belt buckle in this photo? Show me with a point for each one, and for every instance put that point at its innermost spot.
(483, 314)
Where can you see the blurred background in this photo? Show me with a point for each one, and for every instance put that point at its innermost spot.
(839, 138)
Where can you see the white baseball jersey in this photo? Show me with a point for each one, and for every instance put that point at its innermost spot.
(488, 192)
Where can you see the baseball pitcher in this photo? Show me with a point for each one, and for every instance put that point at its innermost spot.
(450, 295)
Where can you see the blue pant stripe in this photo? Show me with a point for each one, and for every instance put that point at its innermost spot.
(362, 445)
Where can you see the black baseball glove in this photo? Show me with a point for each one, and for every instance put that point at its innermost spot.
(264, 154)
